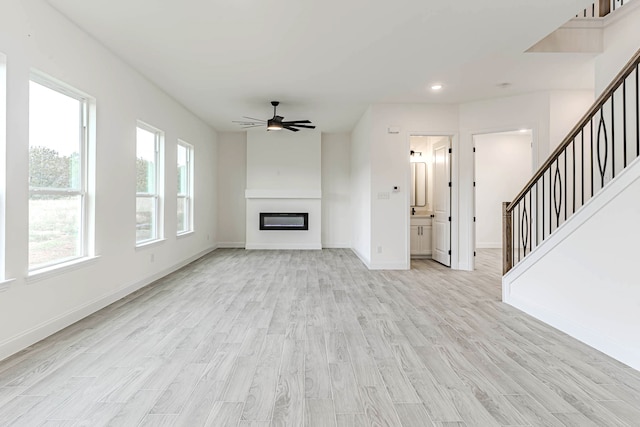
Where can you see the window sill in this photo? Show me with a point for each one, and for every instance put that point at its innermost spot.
(56, 270)
(150, 243)
(184, 234)
(4, 284)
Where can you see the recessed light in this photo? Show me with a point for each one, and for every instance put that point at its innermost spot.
(436, 87)
(524, 130)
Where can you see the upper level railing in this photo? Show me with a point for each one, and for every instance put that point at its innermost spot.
(598, 148)
(601, 8)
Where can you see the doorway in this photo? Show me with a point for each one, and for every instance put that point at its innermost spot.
(503, 164)
(430, 197)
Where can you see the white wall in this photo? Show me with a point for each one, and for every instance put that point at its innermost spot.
(566, 108)
(336, 191)
(621, 42)
(584, 279)
(284, 160)
(360, 180)
(33, 35)
(503, 167)
(283, 175)
(232, 181)
(390, 167)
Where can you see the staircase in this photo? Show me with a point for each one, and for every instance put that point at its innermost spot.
(571, 236)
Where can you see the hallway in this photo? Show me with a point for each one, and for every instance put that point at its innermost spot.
(257, 338)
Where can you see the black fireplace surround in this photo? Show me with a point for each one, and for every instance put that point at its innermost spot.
(284, 221)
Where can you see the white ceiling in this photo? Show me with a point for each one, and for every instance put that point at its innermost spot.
(328, 60)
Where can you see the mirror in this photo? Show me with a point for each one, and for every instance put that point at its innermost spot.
(418, 184)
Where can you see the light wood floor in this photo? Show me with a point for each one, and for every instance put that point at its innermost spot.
(312, 338)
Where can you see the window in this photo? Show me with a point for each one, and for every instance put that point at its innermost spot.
(148, 184)
(58, 119)
(185, 187)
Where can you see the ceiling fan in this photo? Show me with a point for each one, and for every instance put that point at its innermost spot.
(275, 123)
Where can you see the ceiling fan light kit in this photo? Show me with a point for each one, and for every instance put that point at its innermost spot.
(276, 122)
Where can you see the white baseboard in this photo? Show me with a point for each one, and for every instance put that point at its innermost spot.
(362, 258)
(599, 340)
(39, 332)
(336, 246)
(231, 245)
(388, 266)
(283, 246)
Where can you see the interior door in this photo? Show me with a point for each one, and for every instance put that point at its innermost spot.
(441, 202)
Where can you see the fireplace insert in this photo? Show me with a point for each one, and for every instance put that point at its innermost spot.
(284, 221)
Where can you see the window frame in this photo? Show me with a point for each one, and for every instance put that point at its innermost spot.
(86, 103)
(157, 220)
(188, 195)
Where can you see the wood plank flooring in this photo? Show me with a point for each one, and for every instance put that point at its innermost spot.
(312, 338)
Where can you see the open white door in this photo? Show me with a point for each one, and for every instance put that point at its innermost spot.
(441, 202)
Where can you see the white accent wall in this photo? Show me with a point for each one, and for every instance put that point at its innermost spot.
(34, 36)
(283, 175)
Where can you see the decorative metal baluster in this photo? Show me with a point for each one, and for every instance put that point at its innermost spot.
(537, 216)
(637, 113)
(582, 165)
(543, 220)
(591, 164)
(557, 198)
(573, 171)
(524, 225)
(520, 224)
(613, 138)
(530, 221)
(602, 130)
(513, 239)
(551, 202)
(624, 122)
(566, 193)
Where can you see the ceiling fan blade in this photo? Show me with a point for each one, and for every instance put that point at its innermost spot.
(256, 120)
(291, 122)
(241, 122)
(251, 126)
(290, 128)
(301, 126)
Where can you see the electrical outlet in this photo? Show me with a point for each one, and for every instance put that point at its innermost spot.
(152, 257)
(379, 249)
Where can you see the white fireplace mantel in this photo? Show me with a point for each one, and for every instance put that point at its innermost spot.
(282, 194)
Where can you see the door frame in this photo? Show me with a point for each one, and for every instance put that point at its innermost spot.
(534, 166)
(453, 166)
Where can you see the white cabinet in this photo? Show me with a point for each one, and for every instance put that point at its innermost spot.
(420, 236)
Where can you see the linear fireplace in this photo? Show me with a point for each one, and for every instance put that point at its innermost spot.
(284, 221)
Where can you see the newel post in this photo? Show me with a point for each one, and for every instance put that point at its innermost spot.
(507, 233)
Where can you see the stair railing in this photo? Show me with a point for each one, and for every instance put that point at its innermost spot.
(601, 8)
(597, 149)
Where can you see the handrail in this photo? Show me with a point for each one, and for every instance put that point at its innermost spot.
(603, 142)
(602, 99)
